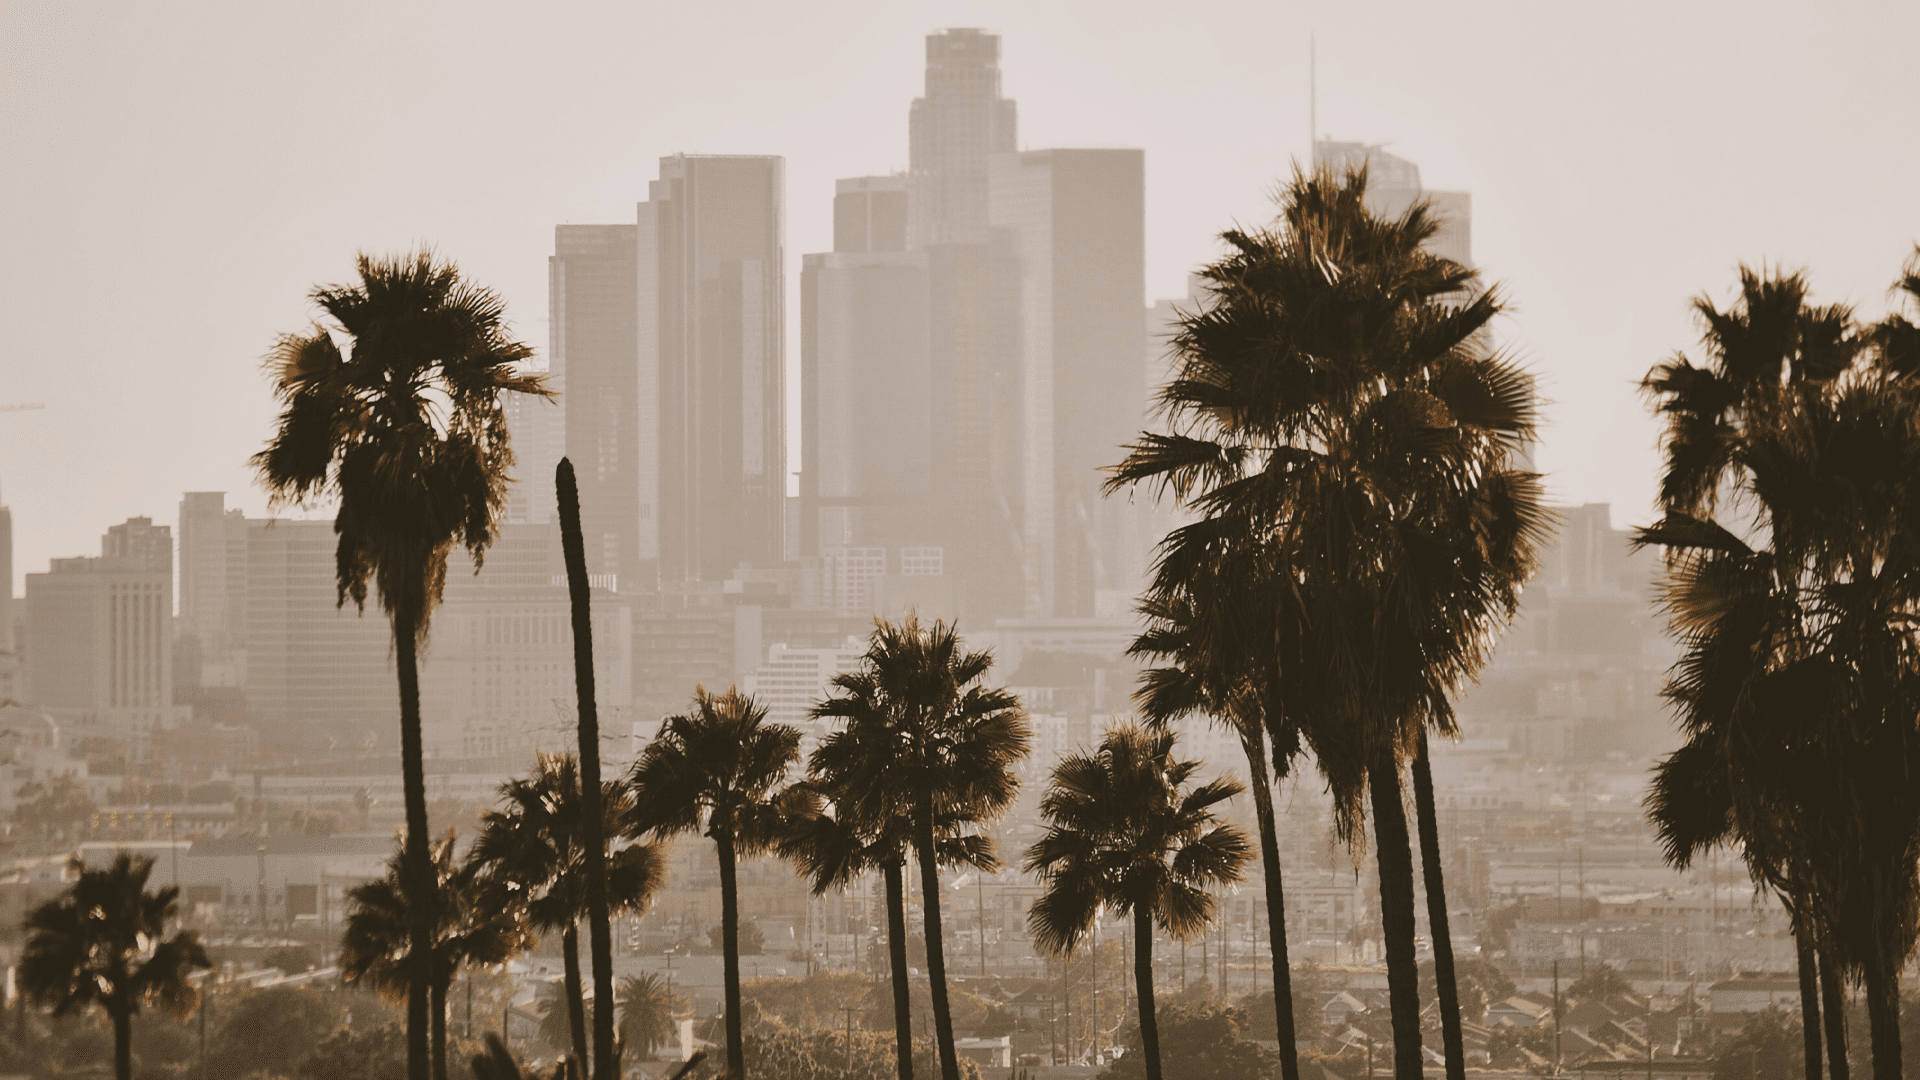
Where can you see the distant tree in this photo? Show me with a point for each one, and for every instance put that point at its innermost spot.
(1599, 984)
(104, 942)
(648, 1010)
(1201, 1044)
(1766, 1048)
(291, 959)
(299, 1019)
(405, 428)
(364, 1053)
(56, 808)
(753, 940)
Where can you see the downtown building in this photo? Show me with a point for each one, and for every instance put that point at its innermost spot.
(669, 345)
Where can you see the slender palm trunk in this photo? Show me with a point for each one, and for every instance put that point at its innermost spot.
(1143, 989)
(730, 946)
(1882, 980)
(1834, 1015)
(437, 1002)
(1395, 856)
(122, 1041)
(894, 871)
(936, 948)
(1258, 775)
(1435, 877)
(599, 928)
(1809, 998)
(418, 863)
(576, 997)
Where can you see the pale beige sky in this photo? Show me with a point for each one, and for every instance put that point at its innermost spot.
(174, 177)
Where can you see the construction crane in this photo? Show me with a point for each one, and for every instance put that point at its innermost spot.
(24, 407)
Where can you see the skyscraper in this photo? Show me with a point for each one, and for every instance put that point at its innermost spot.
(961, 119)
(865, 478)
(1393, 185)
(211, 632)
(592, 359)
(1071, 224)
(711, 363)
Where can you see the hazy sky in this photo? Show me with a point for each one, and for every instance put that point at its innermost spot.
(174, 177)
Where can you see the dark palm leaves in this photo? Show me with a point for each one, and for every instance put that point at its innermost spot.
(715, 769)
(103, 941)
(469, 926)
(1124, 831)
(533, 849)
(405, 426)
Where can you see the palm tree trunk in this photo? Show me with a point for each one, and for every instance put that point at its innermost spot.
(1809, 998)
(122, 1042)
(1882, 981)
(936, 947)
(1395, 856)
(576, 997)
(437, 1002)
(894, 872)
(599, 928)
(1276, 903)
(730, 946)
(1143, 989)
(1435, 876)
(418, 862)
(1834, 1015)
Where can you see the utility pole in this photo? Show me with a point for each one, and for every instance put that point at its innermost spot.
(848, 1009)
(1556, 1018)
(980, 914)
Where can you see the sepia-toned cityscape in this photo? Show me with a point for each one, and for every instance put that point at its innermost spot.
(1065, 685)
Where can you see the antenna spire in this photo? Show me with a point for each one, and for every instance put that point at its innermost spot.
(1313, 96)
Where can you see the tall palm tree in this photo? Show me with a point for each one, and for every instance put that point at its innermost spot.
(1213, 674)
(937, 746)
(648, 1009)
(1349, 442)
(1798, 682)
(716, 768)
(403, 425)
(103, 941)
(599, 921)
(535, 847)
(469, 925)
(1125, 831)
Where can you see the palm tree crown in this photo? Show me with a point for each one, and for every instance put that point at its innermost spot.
(103, 942)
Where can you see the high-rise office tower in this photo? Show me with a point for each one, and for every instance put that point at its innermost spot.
(961, 119)
(864, 405)
(6, 580)
(100, 634)
(211, 632)
(592, 359)
(1393, 185)
(711, 364)
(1071, 225)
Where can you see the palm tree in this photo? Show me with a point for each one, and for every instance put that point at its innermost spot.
(648, 1008)
(404, 427)
(1125, 831)
(594, 839)
(536, 848)
(935, 747)
(468, 924)
(1798, 680)
(832, 851)
(103, 942)
(1212, 674)
(715, 769)
(1349, 442)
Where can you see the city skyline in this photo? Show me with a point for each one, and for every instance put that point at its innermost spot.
(1565, 208)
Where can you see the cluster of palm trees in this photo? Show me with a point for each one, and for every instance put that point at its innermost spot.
(1791, 529)
(1351, 451)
